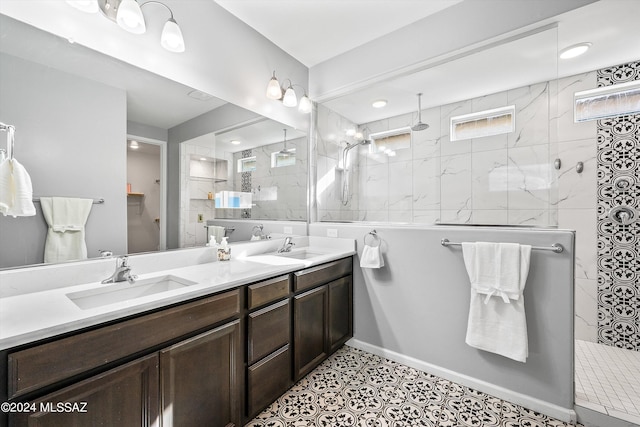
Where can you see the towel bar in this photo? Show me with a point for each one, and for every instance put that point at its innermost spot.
(556, 247)
(95, 201)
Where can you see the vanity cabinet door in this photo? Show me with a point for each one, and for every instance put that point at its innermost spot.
(340, 312)
(126, 396)
(310, 330)
(200, 379)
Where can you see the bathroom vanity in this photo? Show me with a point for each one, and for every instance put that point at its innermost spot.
(216, 360)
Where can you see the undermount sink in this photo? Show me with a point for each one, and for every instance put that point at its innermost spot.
(125, 291)
(300, 254)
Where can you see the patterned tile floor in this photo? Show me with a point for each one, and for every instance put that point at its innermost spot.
(356, 388)
(608, 380)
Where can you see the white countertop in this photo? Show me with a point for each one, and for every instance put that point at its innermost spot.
(33, 316)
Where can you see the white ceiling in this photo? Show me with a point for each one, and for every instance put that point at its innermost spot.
(313, 31)
(325, 28)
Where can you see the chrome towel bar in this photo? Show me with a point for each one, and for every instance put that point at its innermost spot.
(556, 247)
(95, 201)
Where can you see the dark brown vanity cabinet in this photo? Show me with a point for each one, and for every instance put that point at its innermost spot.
(216, 361)
(322, 307)
(182, 381)
(268, 342)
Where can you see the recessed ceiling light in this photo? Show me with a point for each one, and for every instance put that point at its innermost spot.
(199, 95)
(574, 50)
(380, 103)
(134, 145)
(235, 142)
(203, 158)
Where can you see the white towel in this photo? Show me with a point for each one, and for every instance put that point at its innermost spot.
(216, 231)
(16, 190)
(66, 218)
(497, 322)
(371, 257)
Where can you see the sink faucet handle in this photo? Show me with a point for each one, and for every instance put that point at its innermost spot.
(123, 261)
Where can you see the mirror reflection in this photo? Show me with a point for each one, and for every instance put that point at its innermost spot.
(92, 127)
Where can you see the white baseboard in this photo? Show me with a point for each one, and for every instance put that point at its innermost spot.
(547, 408)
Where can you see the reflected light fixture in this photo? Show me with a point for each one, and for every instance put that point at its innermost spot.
(379, 103)
(235, 142)
(574, 50)
(288, 95)
(134, 145)
(128, 15)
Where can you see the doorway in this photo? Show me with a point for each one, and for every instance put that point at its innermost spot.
(146, 201)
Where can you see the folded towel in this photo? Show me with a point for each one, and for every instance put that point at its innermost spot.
(494, 268)
(497, 325)
(16, 190)
(66, 218)
(371, 257)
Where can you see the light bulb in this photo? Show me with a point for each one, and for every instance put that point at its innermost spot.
(290, 99)
(171, 38)
(129, 17)
(274, 91)
(305, 105)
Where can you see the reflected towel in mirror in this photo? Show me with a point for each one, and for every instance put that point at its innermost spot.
(16, 191)
(66, 218)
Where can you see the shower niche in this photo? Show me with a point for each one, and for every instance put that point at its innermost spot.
(204, 173)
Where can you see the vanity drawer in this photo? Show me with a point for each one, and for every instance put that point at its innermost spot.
(268, 329)
(48, 363)
(321, 274)
(265, 292)
(267, 380)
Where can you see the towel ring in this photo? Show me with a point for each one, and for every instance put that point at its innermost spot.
(374, 235)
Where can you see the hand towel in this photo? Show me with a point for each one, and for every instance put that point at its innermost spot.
(16, 190)
(66, 218)
(497, 322)
(371, 257)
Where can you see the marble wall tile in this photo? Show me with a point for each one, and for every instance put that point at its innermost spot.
(374, 186)
(528, 217)
(586, 309)
(567, 129)
(455, 182)
(577, 190)
(532, 115)
(426, 183)
(484, 103)
(426, 216)
(401, 186)
(489, 178)
(490, 216)
(456, 216)
(400, 216)
(529, 177)
(449, 147)
(584, 221)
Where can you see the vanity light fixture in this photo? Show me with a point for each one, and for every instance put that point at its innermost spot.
(128, 15)
(288, 95)
(574, 50)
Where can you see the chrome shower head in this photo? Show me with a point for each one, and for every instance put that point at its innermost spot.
(419, 126)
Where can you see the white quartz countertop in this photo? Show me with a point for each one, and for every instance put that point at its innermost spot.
(34, 316)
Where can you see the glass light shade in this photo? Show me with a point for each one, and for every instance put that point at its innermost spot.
(273, 88)
(305, 105)
(171, 38)
(290, 99)
(130, 17)
(89, 6)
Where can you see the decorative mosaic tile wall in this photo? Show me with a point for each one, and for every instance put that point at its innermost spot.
(245, 185)
(618, 245)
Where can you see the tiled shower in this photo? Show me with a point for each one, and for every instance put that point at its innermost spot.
(514, 179)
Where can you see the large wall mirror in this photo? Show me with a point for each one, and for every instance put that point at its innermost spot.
(90, 126)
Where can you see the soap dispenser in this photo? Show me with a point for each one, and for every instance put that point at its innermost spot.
(224, 251)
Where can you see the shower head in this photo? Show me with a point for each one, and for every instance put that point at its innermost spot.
(419, 126)
(285, 151)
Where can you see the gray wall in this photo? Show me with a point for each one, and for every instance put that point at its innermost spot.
(418, 304)
(70, 136)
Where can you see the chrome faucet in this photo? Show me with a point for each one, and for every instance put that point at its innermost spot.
(122, 273)
(258, 231)
(286, 246)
